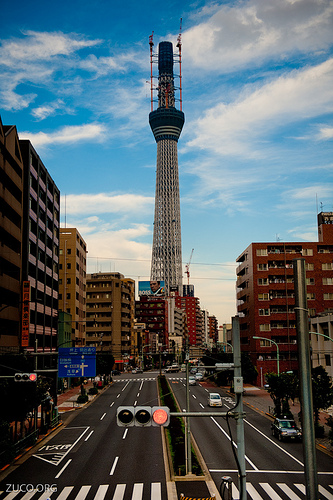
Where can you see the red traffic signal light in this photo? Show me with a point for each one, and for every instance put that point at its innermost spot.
(143, 416)
(160, 416)
(25, 377)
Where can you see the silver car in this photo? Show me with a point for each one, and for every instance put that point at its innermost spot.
(214, 399)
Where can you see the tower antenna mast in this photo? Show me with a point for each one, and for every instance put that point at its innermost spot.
(179, 45)
(151, 44)
(187, 267)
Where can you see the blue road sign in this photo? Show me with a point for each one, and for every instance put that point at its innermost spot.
(77, 362)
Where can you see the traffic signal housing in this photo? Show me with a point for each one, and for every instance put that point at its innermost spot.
(25, 377)
(143, 416)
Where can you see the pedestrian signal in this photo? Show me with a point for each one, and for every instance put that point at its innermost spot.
(25, 377)
(143, 416)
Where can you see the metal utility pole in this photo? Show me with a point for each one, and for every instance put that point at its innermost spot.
(238, 387)
(303, 342)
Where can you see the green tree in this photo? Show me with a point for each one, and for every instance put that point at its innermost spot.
(282, 388)
(322, 391)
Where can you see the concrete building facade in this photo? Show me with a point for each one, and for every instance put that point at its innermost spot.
(72, 281)
(40, 250)
(11, 213)
(110, 314)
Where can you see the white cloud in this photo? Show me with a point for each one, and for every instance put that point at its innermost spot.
(233, 129)
(71, 134)
(40, 46)
(103, 203)
(325, 133)
(46, 110)
(248, 33)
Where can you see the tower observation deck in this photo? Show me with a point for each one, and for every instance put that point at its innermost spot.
(166, 123)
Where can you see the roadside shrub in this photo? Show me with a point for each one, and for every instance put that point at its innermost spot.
(82, 399)
(93, 390)
(329, 422)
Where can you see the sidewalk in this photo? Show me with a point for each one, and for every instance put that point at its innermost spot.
(67, 400)
(260, 400)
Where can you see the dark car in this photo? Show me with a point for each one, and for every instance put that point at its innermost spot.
(285, 428)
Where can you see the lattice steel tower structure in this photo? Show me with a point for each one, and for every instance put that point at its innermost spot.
(166, 123)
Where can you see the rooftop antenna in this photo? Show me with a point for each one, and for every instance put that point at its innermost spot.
(151, 44)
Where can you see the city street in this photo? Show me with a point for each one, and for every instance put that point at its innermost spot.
(94, 458)
(91, 458)
(275, 470)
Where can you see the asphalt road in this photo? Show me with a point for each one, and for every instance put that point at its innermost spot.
(93, 458)
(274, 470)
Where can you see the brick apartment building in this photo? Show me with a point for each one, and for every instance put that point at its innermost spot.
(265, 295)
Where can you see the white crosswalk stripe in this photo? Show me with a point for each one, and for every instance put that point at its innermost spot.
(254, 493)
(88, 492)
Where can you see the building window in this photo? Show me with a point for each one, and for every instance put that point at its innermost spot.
(327, 281)
(69, 265)
(310, 281)
(328, 296)
(309, 267)
(262, 267)
(264, 312)
(69, 251)
(68, 296)
(307, 251)
(262, 281)
(263, 296)
(311, 296)
(69, 280)
(327, 266)
(265, 327)
(328, 359)
(261, 251)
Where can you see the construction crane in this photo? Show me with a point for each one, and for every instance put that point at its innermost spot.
(187, 267)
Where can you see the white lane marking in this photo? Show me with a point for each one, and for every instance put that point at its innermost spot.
(28, 495)
(102, 416)
(124, 387)
(325, 493)
(114, 466)
(64, 467)
(65, 492)
(273, 442)
(119, 492)
(89, 435)
(253, 492)
(193, 396)
(138, 394)
(112, 404)
(125, 433)
(156, 492)
(137, 491)
(233, 442)
(269, 490)
(84, 490)
(101, 492)
(202, 406)
(141, 385)
(288, 491)
(118, 395)
(135, 403)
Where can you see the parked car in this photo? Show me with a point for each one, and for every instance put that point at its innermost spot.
(214, 399)
(191, 380)
(284, 428)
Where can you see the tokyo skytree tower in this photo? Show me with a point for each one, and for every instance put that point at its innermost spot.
(166, 123)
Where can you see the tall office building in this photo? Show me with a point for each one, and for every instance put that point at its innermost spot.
(166, 123)
(40, 253)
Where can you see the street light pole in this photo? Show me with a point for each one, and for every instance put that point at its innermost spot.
(277, 352)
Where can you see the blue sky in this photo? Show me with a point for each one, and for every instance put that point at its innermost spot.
(255, 154)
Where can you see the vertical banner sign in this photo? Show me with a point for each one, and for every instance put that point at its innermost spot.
(25, 314)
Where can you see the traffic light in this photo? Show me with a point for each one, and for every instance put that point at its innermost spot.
(25, 377)
(143, 416)
(160, 416)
